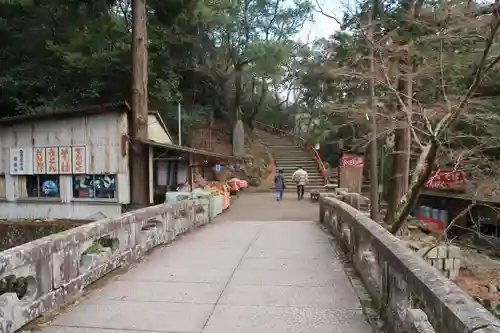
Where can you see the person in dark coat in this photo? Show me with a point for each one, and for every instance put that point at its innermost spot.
(279, 182)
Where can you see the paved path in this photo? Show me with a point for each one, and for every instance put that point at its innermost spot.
(264, 267)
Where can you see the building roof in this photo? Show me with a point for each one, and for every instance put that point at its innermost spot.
(67, 113)
(104, 108)
(189, 150)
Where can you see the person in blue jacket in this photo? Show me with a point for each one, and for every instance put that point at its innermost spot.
(279, 182)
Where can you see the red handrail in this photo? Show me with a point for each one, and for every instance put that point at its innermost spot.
(304, 144)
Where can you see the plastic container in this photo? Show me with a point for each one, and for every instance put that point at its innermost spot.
(425, 211)
(435, 214)
(173, 197)
(444, 216)
(218, 204)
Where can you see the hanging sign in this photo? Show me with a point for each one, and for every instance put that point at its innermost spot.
(352, 162)
(20, 161)
(65, 162)
(451, 180)
(52, 160)
(79, 160)
(39, 160)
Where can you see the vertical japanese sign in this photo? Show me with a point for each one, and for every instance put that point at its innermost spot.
(65, 162)
(20, 161)
(52, 160)
(79, 160)
(39, 165)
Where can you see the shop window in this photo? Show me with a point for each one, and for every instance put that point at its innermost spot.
(3, 192)
(39, 186)
(94, 186)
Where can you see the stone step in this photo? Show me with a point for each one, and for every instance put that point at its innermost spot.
(292, 168)
(318, 178)
(286, 148)
(317, 181)
(296, 162)
(291, 160)
(310, 172)
(311, 176)
(292, 153)
(293, 156)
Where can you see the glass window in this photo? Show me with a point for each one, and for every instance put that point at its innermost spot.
(39, 186)
(94, 186)
(3, 192)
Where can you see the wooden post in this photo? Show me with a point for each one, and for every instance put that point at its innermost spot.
(351, 172)
(139, 120)
(191, 176)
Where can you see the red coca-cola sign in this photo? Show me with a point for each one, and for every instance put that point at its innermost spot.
(446, 180)
(352, 162)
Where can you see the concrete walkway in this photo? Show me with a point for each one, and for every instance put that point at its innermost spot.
(264, 267)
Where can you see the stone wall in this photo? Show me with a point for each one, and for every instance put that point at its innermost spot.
(42, 275)
(411, 295)
(446, 258)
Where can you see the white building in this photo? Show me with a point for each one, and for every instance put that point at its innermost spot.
(70, 164)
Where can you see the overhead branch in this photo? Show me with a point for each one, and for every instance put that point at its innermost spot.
(322, 12)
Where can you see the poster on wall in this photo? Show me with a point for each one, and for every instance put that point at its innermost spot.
(52, 160)
(79, 160)
(20, 161)
(39, 160)
(65, 162)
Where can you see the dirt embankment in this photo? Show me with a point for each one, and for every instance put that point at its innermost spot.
(14, 233)
(256, 166)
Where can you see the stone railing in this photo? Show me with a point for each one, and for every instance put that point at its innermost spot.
(411, 295)
(42, 275)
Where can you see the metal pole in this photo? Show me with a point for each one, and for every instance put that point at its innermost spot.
(179, 125)
(374, 200)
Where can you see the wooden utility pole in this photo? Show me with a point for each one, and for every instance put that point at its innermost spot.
(374, 201)
(139, 120)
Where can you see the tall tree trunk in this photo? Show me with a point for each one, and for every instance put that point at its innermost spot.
(237, 94)
(374, 199)
(392, 181)
(139, 153)
(398, 181)
(408, 124)
(258, 107)
(422, 172)
(402, 143)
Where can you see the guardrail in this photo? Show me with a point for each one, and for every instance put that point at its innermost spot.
(42, 275)
(298, 141)
(411, 295)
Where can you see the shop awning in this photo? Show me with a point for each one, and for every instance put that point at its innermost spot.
(189, 150)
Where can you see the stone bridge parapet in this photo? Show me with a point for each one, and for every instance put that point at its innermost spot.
(411, 295)
(42, 275)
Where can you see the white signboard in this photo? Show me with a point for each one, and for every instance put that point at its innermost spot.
(79, 159)
(21, 161)
(65, 161)
(52, 160)
(39, 160)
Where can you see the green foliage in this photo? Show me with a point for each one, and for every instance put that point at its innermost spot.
(63, 53)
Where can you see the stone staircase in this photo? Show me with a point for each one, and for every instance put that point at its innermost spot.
(289, 157)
